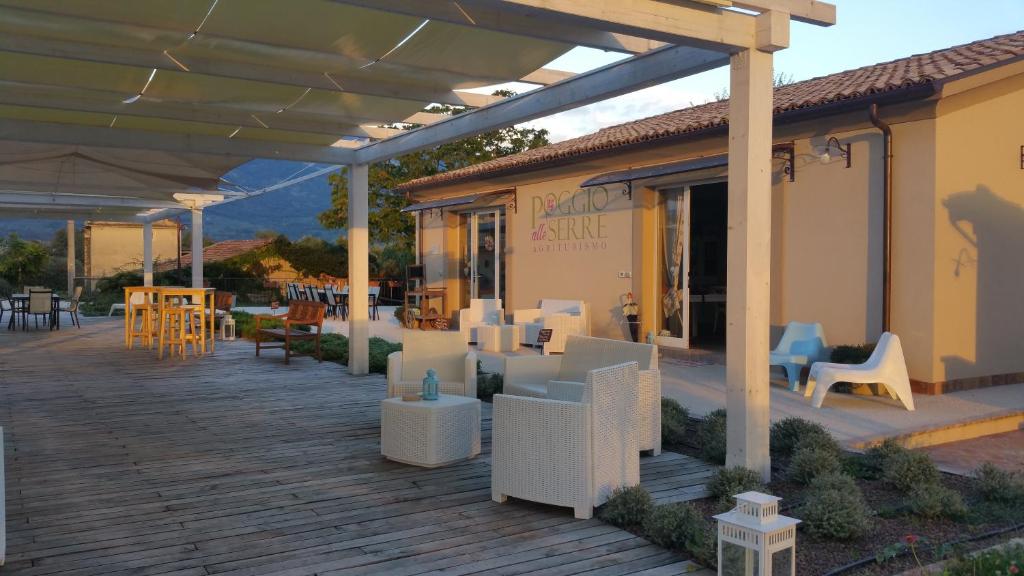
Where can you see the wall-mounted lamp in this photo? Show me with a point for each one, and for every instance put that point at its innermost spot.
(841, 151)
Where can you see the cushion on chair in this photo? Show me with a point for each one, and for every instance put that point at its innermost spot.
(445, 352)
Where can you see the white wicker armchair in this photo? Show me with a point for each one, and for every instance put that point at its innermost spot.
(480, 313)
(446, 352)
(561, 377)
(568, 453)
(563, 317)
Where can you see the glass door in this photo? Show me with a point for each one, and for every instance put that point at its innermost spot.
(674, 241)
(482, 242)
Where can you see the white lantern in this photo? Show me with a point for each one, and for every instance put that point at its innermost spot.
(227, 328)
(754, 526)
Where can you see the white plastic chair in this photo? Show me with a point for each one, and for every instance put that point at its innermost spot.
(801, 345)
(446, 352)
(885, 366)
(568, 453)
(481, 312)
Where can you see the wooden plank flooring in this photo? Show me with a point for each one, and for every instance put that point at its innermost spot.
(121, 464)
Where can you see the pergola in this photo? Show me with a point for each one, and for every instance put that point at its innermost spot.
(134, 111)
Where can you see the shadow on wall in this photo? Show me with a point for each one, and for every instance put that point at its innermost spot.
(994, 228)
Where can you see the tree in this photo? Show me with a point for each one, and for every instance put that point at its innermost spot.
(779, 80)
(392, 229)
(21, 260)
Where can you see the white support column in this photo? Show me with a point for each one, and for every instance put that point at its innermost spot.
(749, 261)
(147, 254)
(71, 257)
(197, 246)
(358, 270)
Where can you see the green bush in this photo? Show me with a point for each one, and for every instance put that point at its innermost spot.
(998, 485)
(907, 470)
(677, 526)
(998, 561)
(836, 514)
(788, 432)
(877, 456)
(487, 385)
(379, 351)
(673, 422)
(812, 461)
(834, 481)
(936, 501)
(728, 482)
(627, 508)
(852, 354)
(711, 437)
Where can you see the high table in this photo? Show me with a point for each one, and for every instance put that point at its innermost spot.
(203, 298)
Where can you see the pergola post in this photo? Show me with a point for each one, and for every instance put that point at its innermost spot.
(749, 261)
(197, 245)
(358, 269)
(147, 254)
(71, 257)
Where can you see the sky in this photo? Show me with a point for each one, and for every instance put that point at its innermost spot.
(867, 32)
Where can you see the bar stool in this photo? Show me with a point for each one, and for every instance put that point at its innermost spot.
(176, 327)
(141, 306)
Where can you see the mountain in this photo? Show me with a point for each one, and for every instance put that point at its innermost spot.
(291, 211)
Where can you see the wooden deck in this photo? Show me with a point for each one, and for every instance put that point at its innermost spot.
(120, 464)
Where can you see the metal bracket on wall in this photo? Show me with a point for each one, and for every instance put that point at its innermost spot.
(512, 206)
(628, 190)
(1022, 157)
(787, 153)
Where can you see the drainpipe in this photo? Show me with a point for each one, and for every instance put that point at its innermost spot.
(886, 216)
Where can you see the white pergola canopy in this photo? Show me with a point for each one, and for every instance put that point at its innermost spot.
(177, 92)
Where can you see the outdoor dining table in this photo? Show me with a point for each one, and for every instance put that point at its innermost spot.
(20, 302)
(202, 298)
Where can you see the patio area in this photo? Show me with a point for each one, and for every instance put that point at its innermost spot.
(118, 463)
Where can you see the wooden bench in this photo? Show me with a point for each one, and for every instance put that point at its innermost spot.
(300, 313)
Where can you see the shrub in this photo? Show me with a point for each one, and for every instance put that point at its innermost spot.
(835, 514)
(998, 485)
(728, 482)
(936, 501)
(786, 433)
(907, 470)
(673, 422)
(877, 456)
(994, 561)
(814, 456)
(711, 437)
(852, 354)
(627, 508)
(677, 526)
(834, 481)
(487, 385)
(379, 350)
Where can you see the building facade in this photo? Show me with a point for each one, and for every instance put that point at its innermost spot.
(896, 203)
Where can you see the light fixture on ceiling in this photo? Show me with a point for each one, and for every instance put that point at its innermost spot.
(256, 118)
(333, 81)
(843, 151)
(176, 61)
(294, 102)
(135, 98)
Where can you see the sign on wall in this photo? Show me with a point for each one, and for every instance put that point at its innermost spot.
(572, 220)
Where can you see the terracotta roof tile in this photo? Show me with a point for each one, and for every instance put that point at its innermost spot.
(880, 78)
(217, 252)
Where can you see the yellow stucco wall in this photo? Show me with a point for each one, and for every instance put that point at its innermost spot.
(958, 224)
(117, 246)
(979, 233)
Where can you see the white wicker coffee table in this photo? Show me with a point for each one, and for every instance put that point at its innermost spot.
(503, 338)
(430, 433)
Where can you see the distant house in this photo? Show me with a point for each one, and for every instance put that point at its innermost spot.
(112, 247)
(643, 207)
(277, 271)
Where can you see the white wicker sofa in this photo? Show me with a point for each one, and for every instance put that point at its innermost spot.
(568, 453)
(444, 351)
(563, 317)
(481, 312)
(562, 377)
